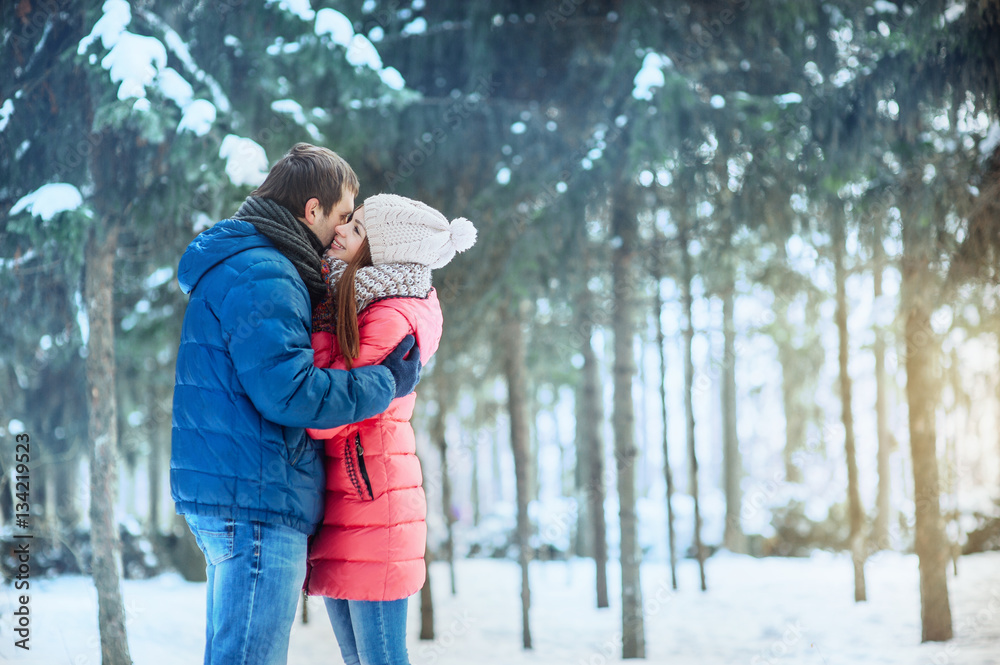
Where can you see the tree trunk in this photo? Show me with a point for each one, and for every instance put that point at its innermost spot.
(474, 487)
(565, 466)
(438, 436)
(624, 228)
(159, 442)
(6, 501)
(962, 404)
(183, 552)
(855, 509)
(733, 538)
(103, 432)
(590, 419)
(129, 493)
(154, 469)
(922, 377)
(427, 600)
(792, 384)
(795, 420)
(67, 501)
(667, 472)
(642, 418)
(883, 505)
(515, 366)
(689, 395)
(497, 470)
(51, 490)
(583, 543)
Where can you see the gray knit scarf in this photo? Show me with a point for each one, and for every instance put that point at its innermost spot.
(291, 238)
(387, 280)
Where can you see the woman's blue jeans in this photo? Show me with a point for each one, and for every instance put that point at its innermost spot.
(370, 632)
(255, 574)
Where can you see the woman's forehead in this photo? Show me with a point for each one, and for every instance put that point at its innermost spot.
(359, 215)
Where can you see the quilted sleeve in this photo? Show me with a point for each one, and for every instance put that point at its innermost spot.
(379, 332)
(265, 319)
(380, 329)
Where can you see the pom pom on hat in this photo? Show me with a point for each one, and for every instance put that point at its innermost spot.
(463, 234)
(401, 230)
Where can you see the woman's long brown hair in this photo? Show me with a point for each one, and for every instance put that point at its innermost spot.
(347, 308)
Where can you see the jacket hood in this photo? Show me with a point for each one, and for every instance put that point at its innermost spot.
(213, 246)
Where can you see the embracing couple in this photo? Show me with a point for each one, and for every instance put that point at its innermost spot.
(293, 459)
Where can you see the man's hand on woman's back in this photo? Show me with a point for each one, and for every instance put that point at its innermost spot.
(404, 364)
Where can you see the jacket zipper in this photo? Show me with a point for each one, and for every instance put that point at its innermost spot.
(305, 583)
(361, 464)
(301, 449)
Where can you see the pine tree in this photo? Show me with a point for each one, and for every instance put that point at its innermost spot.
(137, 95)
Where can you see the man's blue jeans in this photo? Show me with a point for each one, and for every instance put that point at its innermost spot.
(370, 632)
(255, 574)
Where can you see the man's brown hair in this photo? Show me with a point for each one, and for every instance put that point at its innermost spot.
(308, 171)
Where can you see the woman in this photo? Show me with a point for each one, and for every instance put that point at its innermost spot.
(367, 557)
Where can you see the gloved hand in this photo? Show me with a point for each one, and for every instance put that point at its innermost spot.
(405, 368)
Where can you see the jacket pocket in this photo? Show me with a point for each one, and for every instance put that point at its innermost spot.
(357, 471)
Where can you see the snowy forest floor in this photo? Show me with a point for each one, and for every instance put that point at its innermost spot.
(756, 611)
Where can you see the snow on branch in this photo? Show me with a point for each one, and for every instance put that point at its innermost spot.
(246, 161)
(294, 109)
(138, 61)
(5, 112)
(300, 8)
(135, 61)
(179, 48)
(49, 200)
(109, 28)
(360, 50)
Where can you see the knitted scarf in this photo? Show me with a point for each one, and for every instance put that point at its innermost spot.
(291, 237)
(371, 283)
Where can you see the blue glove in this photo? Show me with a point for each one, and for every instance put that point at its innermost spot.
(405, 368)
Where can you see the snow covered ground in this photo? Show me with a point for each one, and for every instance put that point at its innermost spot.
(755, 612)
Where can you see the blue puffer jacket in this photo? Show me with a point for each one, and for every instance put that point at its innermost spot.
(246, 386)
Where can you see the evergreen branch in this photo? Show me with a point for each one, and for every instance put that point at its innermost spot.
(176, 46)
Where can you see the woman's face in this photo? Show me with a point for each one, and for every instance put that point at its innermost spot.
(348, 237)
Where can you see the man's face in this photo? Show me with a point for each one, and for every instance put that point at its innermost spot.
(325, 225)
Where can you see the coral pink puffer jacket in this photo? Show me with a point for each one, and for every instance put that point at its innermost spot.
(370, 545)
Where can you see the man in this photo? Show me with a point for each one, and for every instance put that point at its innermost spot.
(243, 472)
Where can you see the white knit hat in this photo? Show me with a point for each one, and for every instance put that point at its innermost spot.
(401, 230)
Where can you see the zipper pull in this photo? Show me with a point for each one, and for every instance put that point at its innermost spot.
(358, 447)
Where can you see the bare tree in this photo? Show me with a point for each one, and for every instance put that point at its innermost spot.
(688, 275)
(624, 226)
(732, 537)
(855, 510)
(667, 472)
(515, 367)
(427, 600)
(440, 441)
(590, 419)
(103, 433)
(922, 378)
(883, 505)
